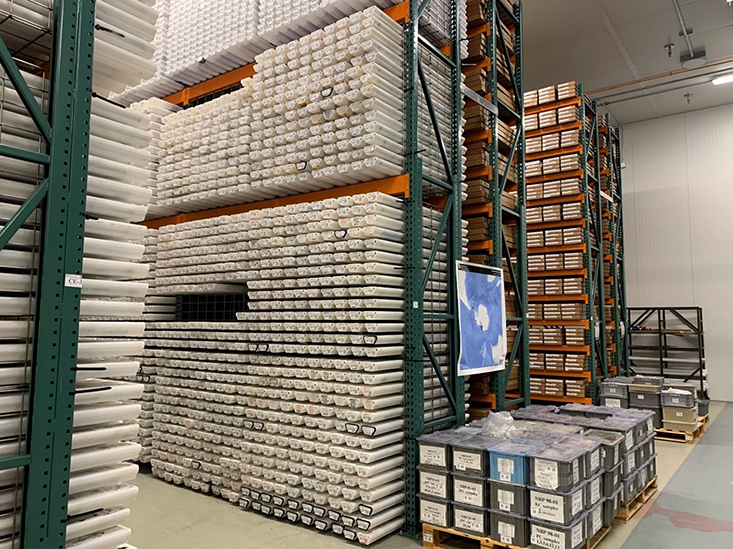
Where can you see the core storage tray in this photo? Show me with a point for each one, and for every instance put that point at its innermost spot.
(509, 528)
(553, 507)
(509, 462)
(508, 498)
(557, 468)
(471, 455)
(546, 535)
(470, 490)
(471, 519)
(610, 447)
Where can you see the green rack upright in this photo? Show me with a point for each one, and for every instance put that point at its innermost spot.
(44, 462)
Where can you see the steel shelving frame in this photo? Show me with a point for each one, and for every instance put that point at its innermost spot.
(616, 282)
(591, 223)
(419, 352)
(498, 13)
(61, 199)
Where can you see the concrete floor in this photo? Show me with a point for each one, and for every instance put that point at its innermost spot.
(694, 505)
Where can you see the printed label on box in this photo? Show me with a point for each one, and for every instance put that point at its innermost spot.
(506, 468)
(576, 535)
(650, 425)
(433, 512)
(675, 400)
(629, 440)
(631, 461)
(547, 506)
(546, 538)
(469, 520)
(506, 499)
(506, 532)
(595, 490)
(546, 474)
(433, 484)
(463, 461)
(639, 397)
(597, 519)
(613, 402)
(468, 492)
(577, 502)
(427, 537)
(678, 414)
(576, 472)
(615, 454)
(431, 455)
(595, 460)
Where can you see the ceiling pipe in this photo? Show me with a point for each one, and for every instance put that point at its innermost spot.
(684, 27)
(657, 77)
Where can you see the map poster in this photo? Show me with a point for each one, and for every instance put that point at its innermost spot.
(481, 318)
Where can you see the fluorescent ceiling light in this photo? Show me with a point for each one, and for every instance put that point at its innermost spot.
(727, 79)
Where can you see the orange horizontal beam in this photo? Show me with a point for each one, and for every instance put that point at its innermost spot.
(581, 298)
(552, 106)
(555, 176)
(482, 29)
(477, 173)
(556, 225)
(482, 137)
(557, 249)
(560, 373)
(557, 273)
(605, 171)
(400, 12)
(474, 210)
(394, 186)
(481, 246)
(483, 64)
(558, 322)
(575, 149)
(488, 399)
(213, 85)
(582, 349)
(549, 398)
(554, 129)
(580, 197)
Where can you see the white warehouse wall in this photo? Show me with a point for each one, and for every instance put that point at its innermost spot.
(678, 214)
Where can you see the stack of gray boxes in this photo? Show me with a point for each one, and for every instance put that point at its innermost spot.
(645, 393)
(565, 493)
(680, 407)
(615, 392)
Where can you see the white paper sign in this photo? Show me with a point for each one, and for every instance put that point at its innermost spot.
(469, 520)
(506, 468)
(547, 538)
(546, 474)
(595, 462)
(463, 461)
(506, 500)
(576, 536)
(432, 455)
(433, 512)
(547, 506)
(433, 484)
(468, 492)
(506, 532)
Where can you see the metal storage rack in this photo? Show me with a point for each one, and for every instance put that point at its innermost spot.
(497, 197)
(418, 189)
(590, 222)
(613, 247)
(43, 465)
(668, 342)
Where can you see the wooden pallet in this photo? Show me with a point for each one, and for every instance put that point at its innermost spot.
(688, 437)
(435, 537)
(628, 510)
(595, 540)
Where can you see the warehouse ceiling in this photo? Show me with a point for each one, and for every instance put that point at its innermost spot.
(618, 48)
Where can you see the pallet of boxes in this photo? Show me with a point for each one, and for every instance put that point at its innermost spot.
(557, 482)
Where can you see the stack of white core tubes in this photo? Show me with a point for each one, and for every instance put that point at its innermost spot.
(157, 110)
(298, 409)
(123, 44)
(209, 38)
(160, 85)
(321, 112)
(108, 339)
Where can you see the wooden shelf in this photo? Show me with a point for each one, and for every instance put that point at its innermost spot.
(575, 149)
(558, 322)
(567, 199)
(578, 349)
(573, 174)
(395, 186)
(481, 246)
(583, 298)
(557, 249)
(475, 210)
(577, 125)
(553, 105)
(558, 273)
(556, 225)
(548, 398)
(560, 373)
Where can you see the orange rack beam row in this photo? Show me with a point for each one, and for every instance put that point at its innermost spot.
(549, 398)
(553, 105)
(395, 186)
(553, 129)
(560, 373)
(399, 13)
(580, 197)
